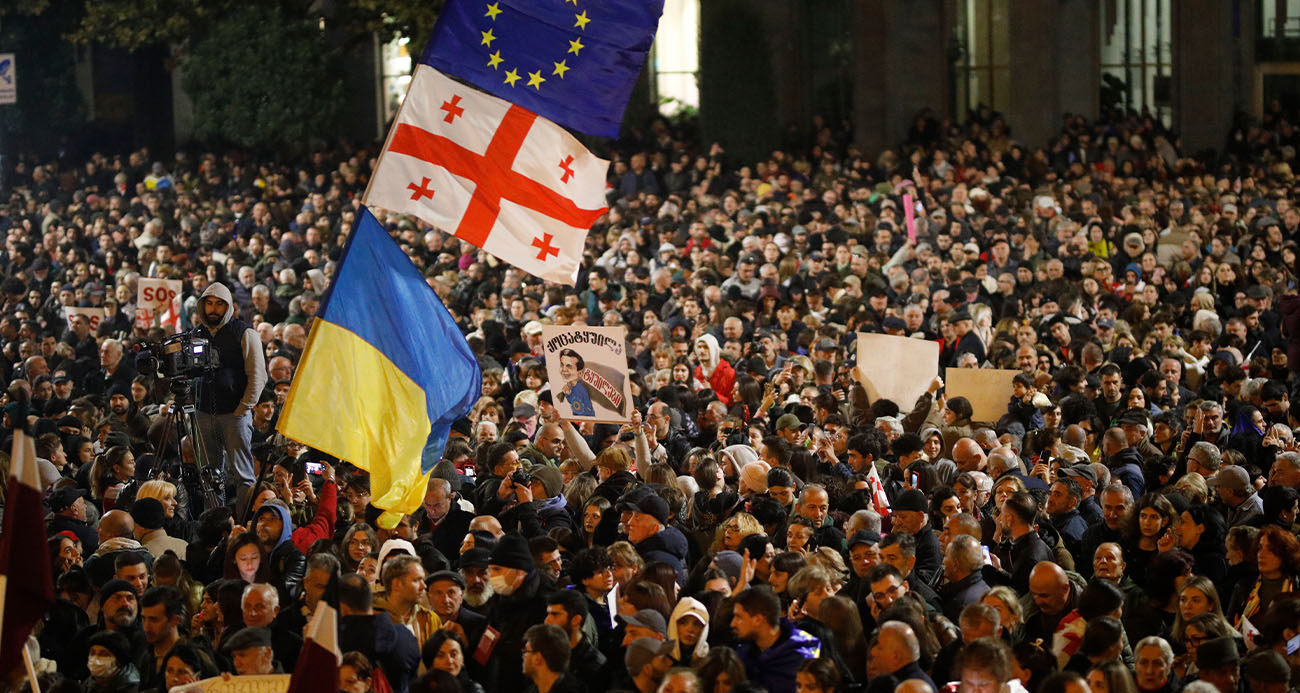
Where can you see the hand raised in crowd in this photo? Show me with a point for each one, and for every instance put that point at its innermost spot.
(795, 611)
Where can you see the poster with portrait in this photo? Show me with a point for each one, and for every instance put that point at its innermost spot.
(587, 371)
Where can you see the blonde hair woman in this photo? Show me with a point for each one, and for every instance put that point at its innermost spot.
(733, 531)
(1194, 487)
(163, 491)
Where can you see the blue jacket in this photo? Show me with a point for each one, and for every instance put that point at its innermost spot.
(669, 546)
(1126, 468)
(775, 667)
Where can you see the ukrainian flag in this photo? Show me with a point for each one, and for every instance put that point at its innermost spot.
(385, 373)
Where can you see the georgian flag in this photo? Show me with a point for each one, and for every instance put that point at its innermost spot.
(26, 588)
(493, 174)
(319, 659)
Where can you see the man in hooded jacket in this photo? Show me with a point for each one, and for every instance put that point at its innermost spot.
(274, 535)
(227, 395)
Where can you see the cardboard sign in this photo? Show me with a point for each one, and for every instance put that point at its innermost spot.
(896, 368)
(94, 315)
(587, 370)
(988, 390)
(270, 683)
(158, 304)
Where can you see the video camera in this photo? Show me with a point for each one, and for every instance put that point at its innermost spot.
(183, 355)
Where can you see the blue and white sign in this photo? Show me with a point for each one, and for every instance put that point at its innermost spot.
(8, 80)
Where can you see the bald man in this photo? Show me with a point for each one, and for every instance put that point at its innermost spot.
(1053, 596)
(914, 686)
(968, 455)
(894, 656)
(116, 537)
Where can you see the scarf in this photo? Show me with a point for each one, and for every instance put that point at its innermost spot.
(557, 503)
(1252, 602)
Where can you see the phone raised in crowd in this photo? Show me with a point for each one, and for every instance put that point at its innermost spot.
(316, 468)
(1293, 645)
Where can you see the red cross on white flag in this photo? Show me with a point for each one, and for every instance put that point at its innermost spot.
(494, 174)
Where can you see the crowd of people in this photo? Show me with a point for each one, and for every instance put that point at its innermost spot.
(762, 524)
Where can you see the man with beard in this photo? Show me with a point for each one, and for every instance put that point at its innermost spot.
(912, 516)
(403, 580)
(287, 564)
(119, 610)
(474, 570)
(125, 417)
(228, 394)
(161, 611)
(567, 609)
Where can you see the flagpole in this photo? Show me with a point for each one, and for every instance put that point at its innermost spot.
(31, 669)
(4, 590)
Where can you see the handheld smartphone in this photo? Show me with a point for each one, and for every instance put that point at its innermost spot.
(915, 478)
(987, 560)
(1293, 645)
(316, 468)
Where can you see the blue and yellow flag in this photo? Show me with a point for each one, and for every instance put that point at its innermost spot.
(385, 373)
(573, 62)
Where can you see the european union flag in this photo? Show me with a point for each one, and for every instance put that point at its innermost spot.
(573, 62)
(385, 373)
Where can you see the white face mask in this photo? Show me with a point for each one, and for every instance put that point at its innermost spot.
(102, 667)
(500, 585)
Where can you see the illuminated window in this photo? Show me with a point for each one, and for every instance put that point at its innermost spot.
(676, 57)
(396, 58)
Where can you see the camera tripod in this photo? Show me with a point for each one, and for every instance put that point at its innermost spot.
(201, 478)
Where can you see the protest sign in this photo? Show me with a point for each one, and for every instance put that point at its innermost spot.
(158, 304)
(896, 368)
(587, 370)
(94, 315)
(269, 683)
(988, 390)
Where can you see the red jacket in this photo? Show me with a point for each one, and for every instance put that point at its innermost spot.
(722, 381)
(322, 524)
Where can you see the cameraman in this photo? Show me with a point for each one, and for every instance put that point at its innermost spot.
(227, 395)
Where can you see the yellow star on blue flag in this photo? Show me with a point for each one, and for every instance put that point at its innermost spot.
(601, 46)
